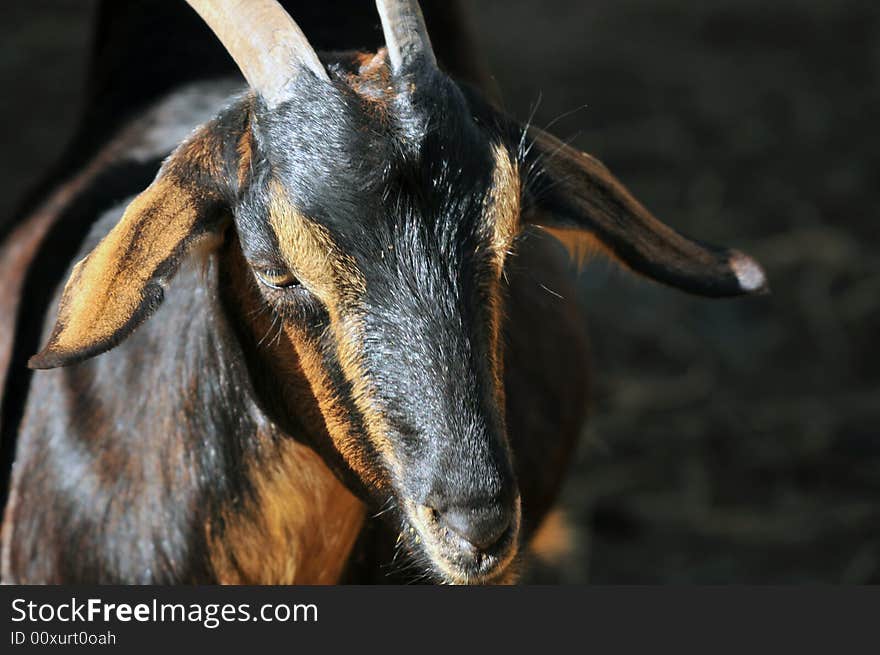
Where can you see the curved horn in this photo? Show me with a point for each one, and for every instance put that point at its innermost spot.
(405, 33)
(263, 40)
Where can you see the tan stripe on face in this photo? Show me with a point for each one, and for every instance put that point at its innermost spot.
(339, 427)
(311, 254)
(502, 221)
(502, 207)
(335, 278)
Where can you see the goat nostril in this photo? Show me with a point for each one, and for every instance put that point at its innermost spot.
(482, 528)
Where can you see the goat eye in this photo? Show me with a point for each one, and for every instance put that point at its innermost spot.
(277, 278)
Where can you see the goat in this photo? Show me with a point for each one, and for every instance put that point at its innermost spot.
(313, 316)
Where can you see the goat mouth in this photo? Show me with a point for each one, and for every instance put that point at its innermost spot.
(454, 560)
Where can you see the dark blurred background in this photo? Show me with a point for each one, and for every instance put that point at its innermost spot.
(731, 441)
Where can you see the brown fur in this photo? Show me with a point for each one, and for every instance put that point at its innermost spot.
(311, 254)
(372, 81)
(581, 245)
(553, 541)
(335, 278)
(502, 220)
(104, 290)
(334, 415)
(503, 206)
(245, 152)
(299, 529)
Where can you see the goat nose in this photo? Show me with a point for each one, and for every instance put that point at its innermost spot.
(481, 527)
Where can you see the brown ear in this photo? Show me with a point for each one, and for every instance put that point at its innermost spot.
(578, 200)
(122, 281)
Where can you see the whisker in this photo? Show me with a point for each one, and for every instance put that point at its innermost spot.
(564, 115)
(387, 506)
(550, 291)
(523, 152)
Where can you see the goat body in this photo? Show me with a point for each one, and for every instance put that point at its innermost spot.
(155, 462)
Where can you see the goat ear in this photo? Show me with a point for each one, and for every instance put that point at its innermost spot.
(577, 199)
(122, 281)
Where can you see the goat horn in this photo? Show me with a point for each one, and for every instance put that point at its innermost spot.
(405, 33)
(263, 40)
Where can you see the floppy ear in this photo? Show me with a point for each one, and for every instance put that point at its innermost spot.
(575, 198)
(121, 282)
